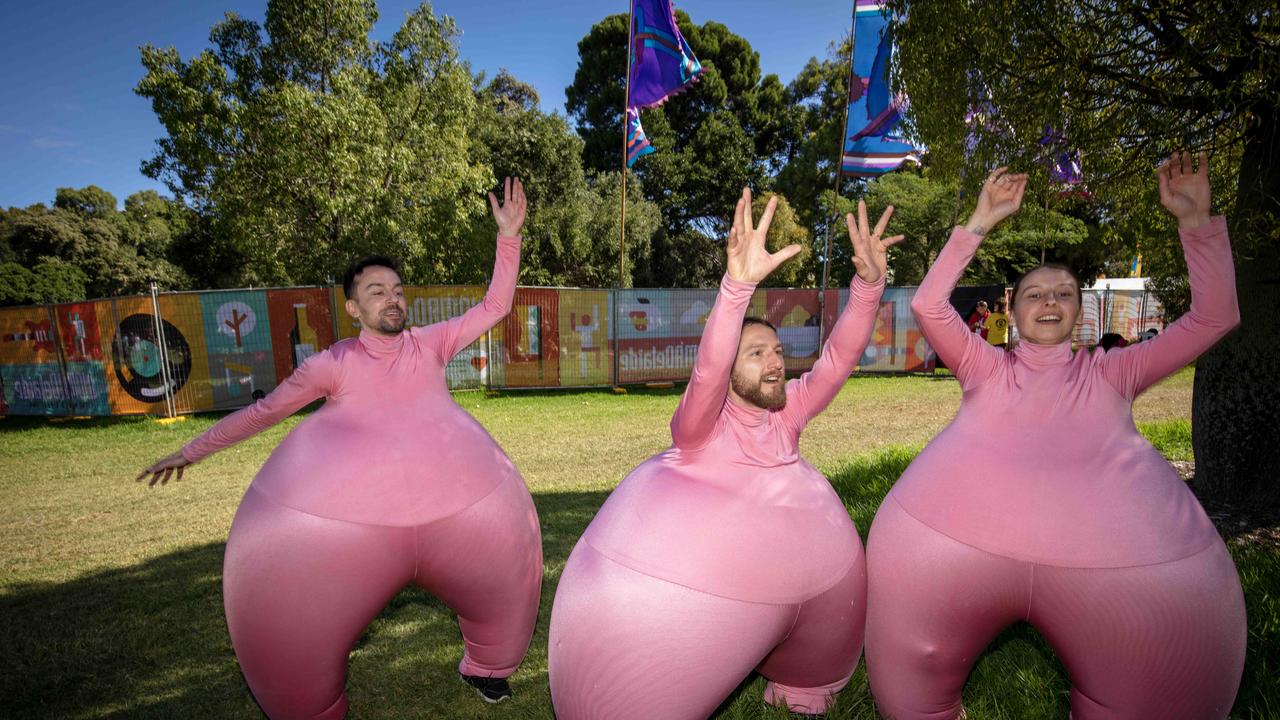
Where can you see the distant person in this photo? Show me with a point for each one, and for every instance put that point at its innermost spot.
(978, 318)
(997, 325)
(727, 552)
(1042, 503)
(389, 484)
(1112, 340)
(1150, 334)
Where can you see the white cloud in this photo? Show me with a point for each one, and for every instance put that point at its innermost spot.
(44, 143)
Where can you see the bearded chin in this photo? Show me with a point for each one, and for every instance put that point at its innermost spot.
(387, 325)
(755, 393)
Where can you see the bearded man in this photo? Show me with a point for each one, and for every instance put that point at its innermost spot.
(728, 552)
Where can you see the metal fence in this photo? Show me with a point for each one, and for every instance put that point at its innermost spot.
(174, 353)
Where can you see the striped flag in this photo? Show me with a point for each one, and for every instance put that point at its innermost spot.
(871, 148)
(637, 144)
(1064, 164)
(662, 64)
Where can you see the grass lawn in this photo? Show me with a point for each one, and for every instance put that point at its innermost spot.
(110, 597)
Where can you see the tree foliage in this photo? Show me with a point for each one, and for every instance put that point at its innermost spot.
(84, 247)
(304, 143)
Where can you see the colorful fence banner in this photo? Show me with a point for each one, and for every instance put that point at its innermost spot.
(149, 356)
(221, 349)
(30, 372)
(896, 344)
(529, 340)
(82, 351)
(237, 331)
(658, 332)
(586, 324)
(301, 325)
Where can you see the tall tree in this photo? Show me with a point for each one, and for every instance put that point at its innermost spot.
(724, 132)
(563, 241)
(1131, 81)
(84, 246)
(304, 143)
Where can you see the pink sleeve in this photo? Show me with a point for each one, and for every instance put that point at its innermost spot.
(813, 391)
(704, 398)
(1214, 312)
(968, 354)
(451, 336)
(314, 379)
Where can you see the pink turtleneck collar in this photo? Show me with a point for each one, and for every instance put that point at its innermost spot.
(748, 415)
(379, 345)
(1043, 355)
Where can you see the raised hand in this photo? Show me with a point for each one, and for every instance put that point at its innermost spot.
(1001, 197)
(163, 469)
(1184, 190)
(748, 258)
(510, 213)
(870, 256)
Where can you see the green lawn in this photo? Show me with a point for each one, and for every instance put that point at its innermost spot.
(110, 600)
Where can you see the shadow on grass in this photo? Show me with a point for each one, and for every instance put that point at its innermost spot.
(150, 641)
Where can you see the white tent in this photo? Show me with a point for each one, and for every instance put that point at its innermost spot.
(1118, 284)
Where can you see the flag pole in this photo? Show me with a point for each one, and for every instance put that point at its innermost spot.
(844, 127)
(626, 130)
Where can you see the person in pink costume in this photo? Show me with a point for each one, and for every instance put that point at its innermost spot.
(390, 483)
(727, 552)
(1041, 502)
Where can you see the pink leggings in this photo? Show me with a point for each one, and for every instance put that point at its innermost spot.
(625, 645)
(300, 589)
(1151, 641)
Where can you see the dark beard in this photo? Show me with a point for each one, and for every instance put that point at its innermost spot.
(388, 326)
(755, 394)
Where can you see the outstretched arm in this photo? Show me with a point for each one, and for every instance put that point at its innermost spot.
(813, 391)
(1185, 193)
(315, 378)
(748, 262)
(968, 355)
(451, 336)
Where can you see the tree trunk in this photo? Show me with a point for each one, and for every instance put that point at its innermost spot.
(1236, 400)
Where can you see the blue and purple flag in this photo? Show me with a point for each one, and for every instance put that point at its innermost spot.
(871, 148)
(661, 62)
(1064, 164)
(637, 144)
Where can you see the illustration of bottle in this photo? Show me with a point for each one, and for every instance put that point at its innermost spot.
(302, 338)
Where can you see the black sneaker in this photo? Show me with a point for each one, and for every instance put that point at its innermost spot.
(490, 689)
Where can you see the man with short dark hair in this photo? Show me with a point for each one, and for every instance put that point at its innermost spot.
(390, 483)
(727, 552)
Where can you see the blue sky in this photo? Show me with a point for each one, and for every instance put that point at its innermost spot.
(69, 117)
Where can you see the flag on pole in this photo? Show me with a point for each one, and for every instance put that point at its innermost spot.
(637, 144)
(662, 64)
(871, 148)
(1064, 165)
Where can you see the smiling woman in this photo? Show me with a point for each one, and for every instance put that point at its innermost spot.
(1046, 304)
(1042, 503)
